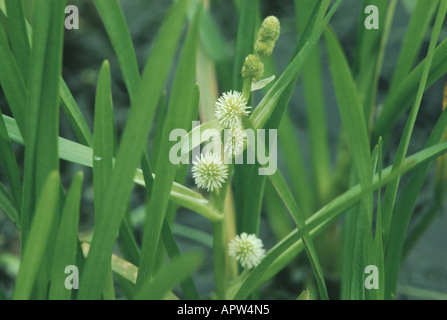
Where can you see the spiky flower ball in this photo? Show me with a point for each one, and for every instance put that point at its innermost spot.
(230, 107)
(209, 172)
(247, 249)
(234, 141)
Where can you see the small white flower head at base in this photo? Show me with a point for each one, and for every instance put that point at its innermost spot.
(234, 141)
(247, 249)
(230, 107)
(209, 172)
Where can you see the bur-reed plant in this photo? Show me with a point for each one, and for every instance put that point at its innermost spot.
(301, 207)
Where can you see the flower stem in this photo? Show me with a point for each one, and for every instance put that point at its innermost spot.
(219, 245)
(220, 258)
(219, 250)
(246, 89)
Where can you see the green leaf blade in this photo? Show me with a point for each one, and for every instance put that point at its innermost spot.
(39, 235)
(359, 244)
(130, 151)
(103, 137)
(115, 24)
(182, 91)
(67, 241)
(168, 277)
(9, 162)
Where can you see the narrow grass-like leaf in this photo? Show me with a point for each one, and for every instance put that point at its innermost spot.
(212, 39)
(378, 236)
(182, 92)
(350, 108)
(7, 205)
(124, 269)
(12, 83)
(130, 151)
(128, 243)
(9, 162)
(248, 187)
(278, 218)
(80, 154)
(103, 137)
(359, 245)
(188, 288)
(368, 53)
(422, 293)
(349, 198)
(370, 105)
(402, 214)
(39, 235)
(69, 105)
(166, 279)
(296, 168)
(283, 191)
(108, 293)
(18, 34)
(414, 37)
(74, 115)
(158, 130)
(398, 101)
(192, 234)
(315, 106)
(42, 122)
(103, 153)
(391, 192)
(41, 153)
(115, 24)
(67, 241)
(279, 256)
(439, 195)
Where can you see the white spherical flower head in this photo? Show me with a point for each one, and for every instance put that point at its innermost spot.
(209, 172)
(247, 249)
(230, 107)
(234, 141)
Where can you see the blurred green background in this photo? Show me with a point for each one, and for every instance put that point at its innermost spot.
(85, 50)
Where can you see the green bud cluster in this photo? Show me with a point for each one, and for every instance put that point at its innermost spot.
(264, 49)
(270, 29)
(253, 68)
(267, 37)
